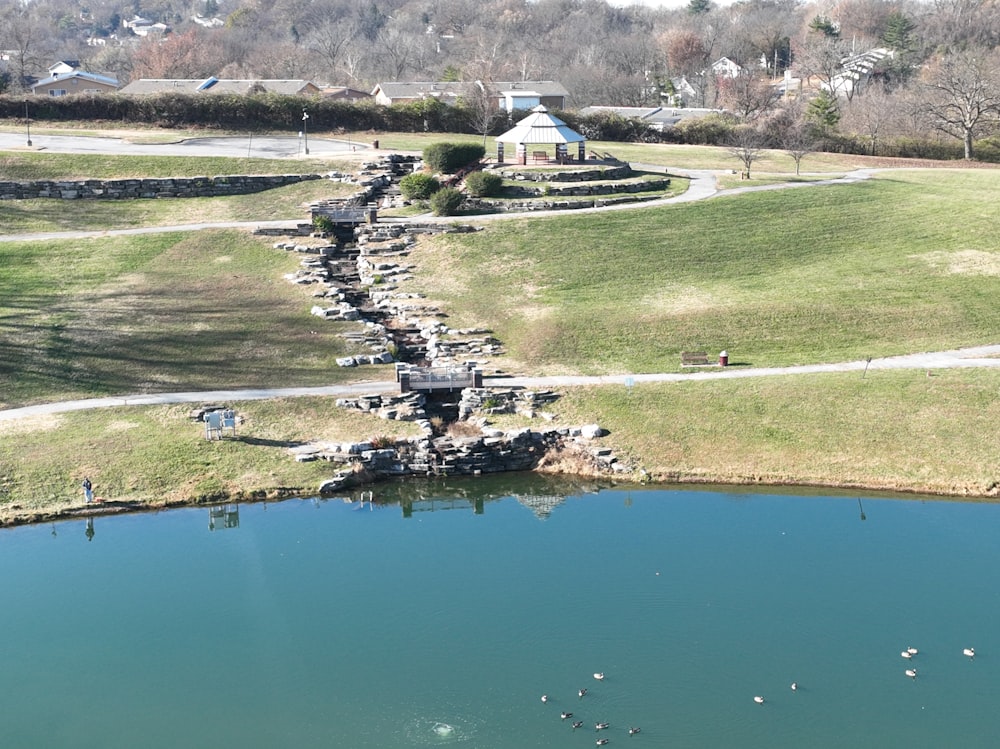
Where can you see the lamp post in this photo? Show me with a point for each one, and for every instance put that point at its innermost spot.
(27, 122)
(305, 131)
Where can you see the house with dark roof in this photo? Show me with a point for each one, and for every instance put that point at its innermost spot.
(509, 95)
(344, 93)
(657, 118)
(212, 85)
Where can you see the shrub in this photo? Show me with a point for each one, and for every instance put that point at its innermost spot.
(324, 224)
(450, 157)
(446, 201)
(484, 184)
(418, 186)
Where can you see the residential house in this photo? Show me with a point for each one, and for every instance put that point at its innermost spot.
(683, 93)
(856, 71)
(509, 95)
(74, 82)
(63, 66)
(726, 68)
(144, 26)
(209, 23)
(212, 85)
(657, 118)
(344, 93)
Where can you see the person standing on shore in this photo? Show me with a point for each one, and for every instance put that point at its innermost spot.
(88, 491)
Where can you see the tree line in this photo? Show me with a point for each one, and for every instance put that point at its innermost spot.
(937, 84)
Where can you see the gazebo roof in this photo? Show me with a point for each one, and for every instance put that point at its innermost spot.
(541, 127)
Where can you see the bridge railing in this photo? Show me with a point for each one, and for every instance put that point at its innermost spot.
(429, 379)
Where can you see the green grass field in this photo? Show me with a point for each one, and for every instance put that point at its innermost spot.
(899, 431)
(49, 215)
(155, 313)
(903, 263)
(158, 455)
(41, 166)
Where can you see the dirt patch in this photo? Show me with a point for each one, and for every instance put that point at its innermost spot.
(679, 301)
(40, 423)
(963, 262)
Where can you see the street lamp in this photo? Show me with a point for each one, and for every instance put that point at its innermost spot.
(27, 122)
(305, 131)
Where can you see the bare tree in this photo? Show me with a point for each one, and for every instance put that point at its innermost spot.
(23, 36)
(963, 94)
(746, 144)
(481, 101)
(798, 143)
(871, 114)
(747, 95)
(822, 58)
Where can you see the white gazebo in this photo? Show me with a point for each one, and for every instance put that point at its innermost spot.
(541, 129)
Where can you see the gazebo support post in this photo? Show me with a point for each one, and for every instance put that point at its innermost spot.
(582, 151)
(499, 152)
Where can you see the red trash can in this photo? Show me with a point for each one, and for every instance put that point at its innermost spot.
(723, 359)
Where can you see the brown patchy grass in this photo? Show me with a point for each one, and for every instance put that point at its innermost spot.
(900, 431)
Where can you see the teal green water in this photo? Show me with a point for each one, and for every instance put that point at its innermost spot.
(335, 624)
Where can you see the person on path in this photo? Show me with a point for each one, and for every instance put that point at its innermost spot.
(88, 491)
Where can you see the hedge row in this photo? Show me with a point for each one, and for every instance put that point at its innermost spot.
(273, 112)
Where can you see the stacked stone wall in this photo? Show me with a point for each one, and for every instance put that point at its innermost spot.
(149, 187)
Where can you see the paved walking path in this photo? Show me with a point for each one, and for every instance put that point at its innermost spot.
(703, 186)
(980, 356)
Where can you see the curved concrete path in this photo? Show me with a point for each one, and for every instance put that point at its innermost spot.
(979, 356)
(703, 186)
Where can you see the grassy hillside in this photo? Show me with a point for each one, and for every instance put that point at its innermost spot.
(47, 215)
(906, 262)
(894, 430)
(160, 312)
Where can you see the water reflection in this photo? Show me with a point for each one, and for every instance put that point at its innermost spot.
(223, 516)
(863, 516)
(90, 529)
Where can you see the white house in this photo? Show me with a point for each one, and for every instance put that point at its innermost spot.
(726, 68)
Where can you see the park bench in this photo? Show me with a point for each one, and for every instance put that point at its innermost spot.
(537, 156)
(694, 359)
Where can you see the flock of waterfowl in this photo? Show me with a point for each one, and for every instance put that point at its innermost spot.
(908, 654)
(911, 672)
(600, 725)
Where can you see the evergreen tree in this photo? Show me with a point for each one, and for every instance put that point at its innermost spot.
(823, 112)
(698, 7)
(898, 35)
(823, 25)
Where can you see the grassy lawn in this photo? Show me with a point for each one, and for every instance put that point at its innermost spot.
(159, 456)
(899, 264)
(45, 215)
(903, 263)
(891, 430)
(155, 313)
(728, 181)
(54, 166)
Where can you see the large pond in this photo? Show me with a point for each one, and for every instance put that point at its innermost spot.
(441, 621)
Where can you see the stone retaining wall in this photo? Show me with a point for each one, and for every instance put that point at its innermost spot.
(149, 187)
(525, 206)
(493, 452)
(577, 175)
